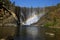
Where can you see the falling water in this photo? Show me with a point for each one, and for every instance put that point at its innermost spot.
(33, 18)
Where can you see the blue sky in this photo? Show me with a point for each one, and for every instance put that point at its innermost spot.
(35, 3)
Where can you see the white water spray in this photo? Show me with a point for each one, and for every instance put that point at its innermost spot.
(33, 18)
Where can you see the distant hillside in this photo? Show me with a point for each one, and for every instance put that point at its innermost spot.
(51, 18)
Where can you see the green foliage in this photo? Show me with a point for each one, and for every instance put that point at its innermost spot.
(51, 23)
(48, 24)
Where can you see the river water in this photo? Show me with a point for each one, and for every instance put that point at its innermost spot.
(31, 33)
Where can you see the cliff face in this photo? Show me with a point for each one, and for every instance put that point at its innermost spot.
(7, 21)
(51, 18)
(25, 13)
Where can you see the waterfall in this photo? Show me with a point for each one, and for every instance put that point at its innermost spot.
(33, 18)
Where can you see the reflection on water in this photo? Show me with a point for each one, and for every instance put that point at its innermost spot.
(43, 33)
(31, 33)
